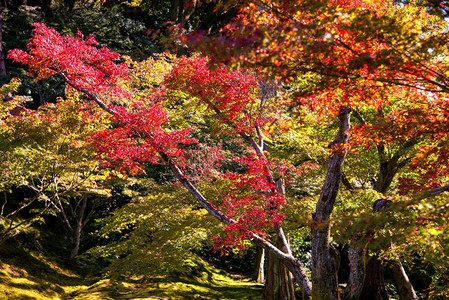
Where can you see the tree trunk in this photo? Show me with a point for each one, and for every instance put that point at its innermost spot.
(287, 259)
(279, 283)
(403, 285)
(357, 272)
(271, 287)
(179, 12)
(374, 274)
(76, 232)
(324, 263)
(388, 168)
(259, 272)
(76, 238)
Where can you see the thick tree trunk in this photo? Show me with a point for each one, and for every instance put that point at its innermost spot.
(388, 168)
(324, 263)
(271, 287)
(357, 272)
(374, 274)
(374, 284)
(279, 284)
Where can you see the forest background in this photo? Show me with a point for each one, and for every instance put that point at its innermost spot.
(281, 141)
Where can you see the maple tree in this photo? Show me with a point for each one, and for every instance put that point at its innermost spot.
(140, 136)
(355, 48)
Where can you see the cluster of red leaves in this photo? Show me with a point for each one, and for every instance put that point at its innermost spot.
(229, 94)
(140, 137)
(140, 133)
(252, 200)
(79, 59)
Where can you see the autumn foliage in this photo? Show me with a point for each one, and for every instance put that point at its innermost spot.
(377, 81)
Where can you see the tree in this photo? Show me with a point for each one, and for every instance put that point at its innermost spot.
(140, 136)
(46, 153)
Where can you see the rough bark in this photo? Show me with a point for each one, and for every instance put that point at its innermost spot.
(259, 272)
(374, 274)
(357, 272)
(279, 284)
(271, 286)
(374, 284)
(324, 264)
(388, 168)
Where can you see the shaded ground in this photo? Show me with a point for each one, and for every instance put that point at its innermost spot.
(26, 274)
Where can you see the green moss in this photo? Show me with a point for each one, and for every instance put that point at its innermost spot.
(28, 274)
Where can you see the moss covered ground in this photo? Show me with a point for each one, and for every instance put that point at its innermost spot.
(30, 272)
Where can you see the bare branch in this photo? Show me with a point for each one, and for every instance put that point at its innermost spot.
(432, 192)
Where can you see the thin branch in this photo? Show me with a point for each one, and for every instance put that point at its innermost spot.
(359, 117)
(3, 206)
(346, 182)
(432, 192)
(91, 95)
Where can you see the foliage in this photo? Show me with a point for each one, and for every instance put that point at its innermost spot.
(335, 57)
(158, 231)
(47, 153)
(125, 35)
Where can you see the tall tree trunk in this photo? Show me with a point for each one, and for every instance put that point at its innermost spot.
(271, 287)
(259, 272)
(324, 263)
(374, 274)
(279, 284)
(375, 284)
(357, 271)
